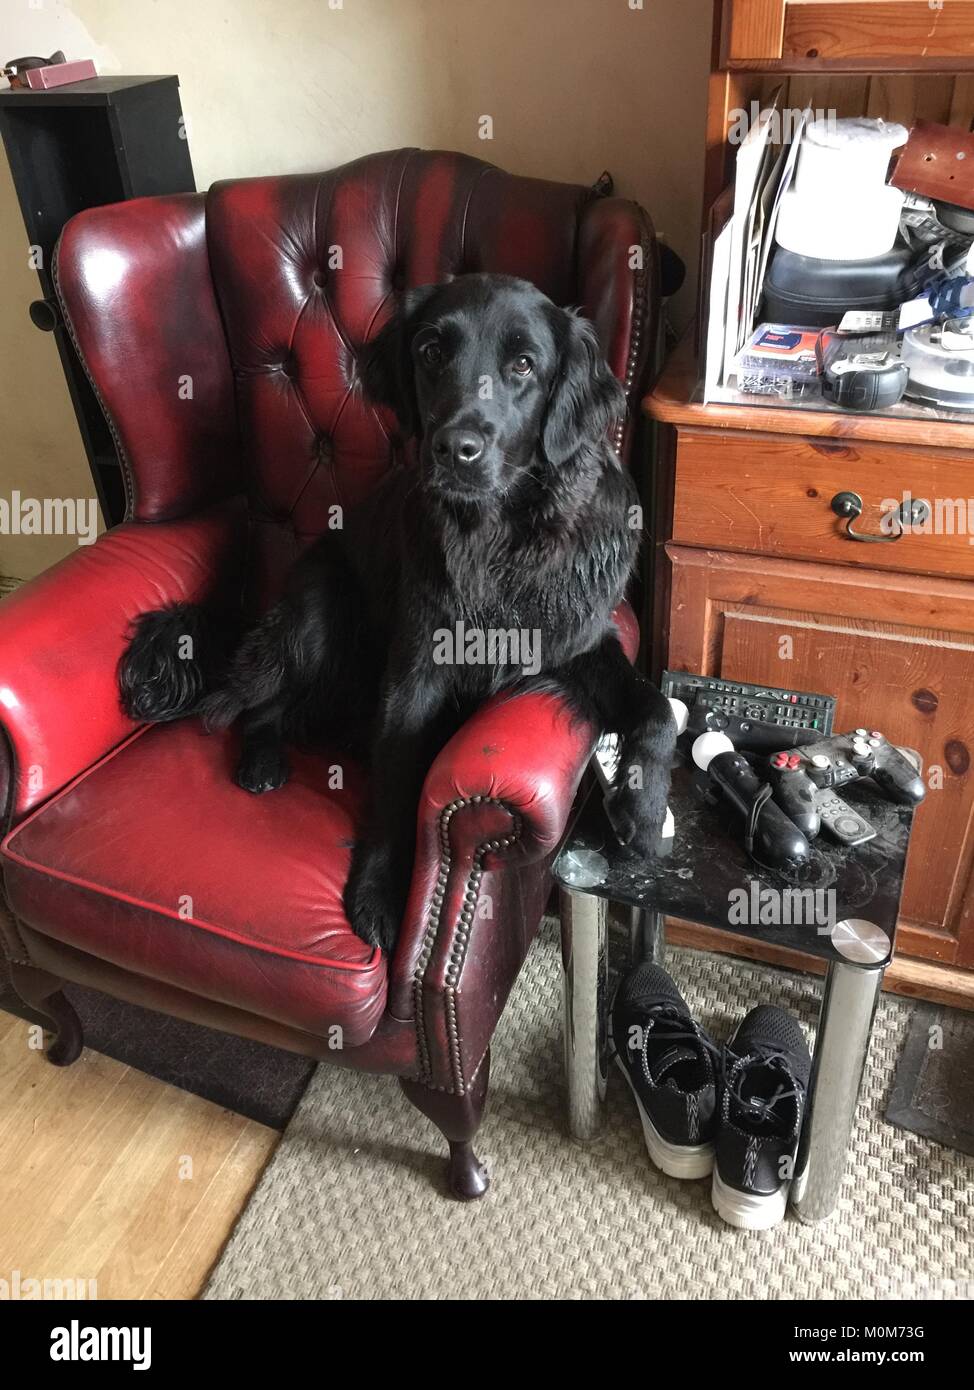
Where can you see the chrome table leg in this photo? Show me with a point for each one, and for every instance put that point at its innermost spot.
(647, 940)
(584, 956)
(841, 1047)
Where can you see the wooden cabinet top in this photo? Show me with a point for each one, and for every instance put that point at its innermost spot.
(676, 400)
(863, 35)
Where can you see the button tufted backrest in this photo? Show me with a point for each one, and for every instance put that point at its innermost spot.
(307, 268)
(268, 316)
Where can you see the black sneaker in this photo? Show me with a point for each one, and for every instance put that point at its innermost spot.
(766, 1070)
(670, 1065)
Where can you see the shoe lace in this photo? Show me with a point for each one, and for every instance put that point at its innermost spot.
(764, 1055)
(676, 1035)
(688, 1035)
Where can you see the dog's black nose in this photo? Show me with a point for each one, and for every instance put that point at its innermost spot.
(457, 445)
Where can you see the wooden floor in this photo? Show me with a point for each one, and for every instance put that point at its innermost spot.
(108, 1174)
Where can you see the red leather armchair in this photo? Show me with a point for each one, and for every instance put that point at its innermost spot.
(222, 333)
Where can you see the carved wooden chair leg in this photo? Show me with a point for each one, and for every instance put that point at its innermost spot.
(458, 1119)
(43, 993)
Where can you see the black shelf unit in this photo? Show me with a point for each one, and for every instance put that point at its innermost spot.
(100, 141)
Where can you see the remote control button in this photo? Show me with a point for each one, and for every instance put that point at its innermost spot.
(848, 825)
(779, 760)
(874, 733)
(794, 760)
(862, 732)
(873, 742)
(819, 760)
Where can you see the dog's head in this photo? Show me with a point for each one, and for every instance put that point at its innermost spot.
(493, 379)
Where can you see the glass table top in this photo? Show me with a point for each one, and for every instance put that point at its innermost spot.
(841, 906)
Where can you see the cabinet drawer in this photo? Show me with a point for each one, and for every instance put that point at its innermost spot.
(771, 495)
(914, 32)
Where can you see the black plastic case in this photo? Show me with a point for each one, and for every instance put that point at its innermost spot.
(811, 293)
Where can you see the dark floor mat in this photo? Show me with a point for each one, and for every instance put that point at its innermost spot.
(252, 1079)
(933, 1091)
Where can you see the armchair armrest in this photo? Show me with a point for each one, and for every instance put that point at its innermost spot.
(495, 802)
(493, 810)
(62, 634)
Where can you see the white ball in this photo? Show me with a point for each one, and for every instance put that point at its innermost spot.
(707, 746)
(680, 713)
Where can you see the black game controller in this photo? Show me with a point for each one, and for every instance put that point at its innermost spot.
(769, 835)
(805, 781)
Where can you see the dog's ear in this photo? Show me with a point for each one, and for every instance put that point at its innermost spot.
(387, 366)
(586, 398)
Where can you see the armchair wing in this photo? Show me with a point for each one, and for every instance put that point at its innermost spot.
(131, 277)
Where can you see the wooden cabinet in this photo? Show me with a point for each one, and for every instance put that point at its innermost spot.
(755, 577)
(758, 581)
(906, 34)
(904, 60)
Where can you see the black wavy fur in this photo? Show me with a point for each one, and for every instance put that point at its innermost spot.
(174, 656)
(511, 513)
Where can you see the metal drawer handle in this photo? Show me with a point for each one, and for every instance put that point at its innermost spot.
(849, 504)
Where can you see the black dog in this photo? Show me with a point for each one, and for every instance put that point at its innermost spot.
(512, 521)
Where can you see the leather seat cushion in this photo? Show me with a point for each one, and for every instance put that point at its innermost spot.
(156, 861)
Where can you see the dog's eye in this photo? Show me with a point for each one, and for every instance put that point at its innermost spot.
(522, 366)
(431, 354)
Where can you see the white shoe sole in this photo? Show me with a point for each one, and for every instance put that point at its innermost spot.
(676, 1160)
(748, 1211)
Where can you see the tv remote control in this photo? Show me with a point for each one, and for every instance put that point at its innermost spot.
(788, 709)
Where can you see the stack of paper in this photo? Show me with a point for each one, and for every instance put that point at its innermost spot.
(740, 252)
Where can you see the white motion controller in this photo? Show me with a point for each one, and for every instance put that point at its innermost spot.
(707, 746)
(680, 713)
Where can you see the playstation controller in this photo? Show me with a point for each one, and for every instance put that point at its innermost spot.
(806, 779)
(769, 836)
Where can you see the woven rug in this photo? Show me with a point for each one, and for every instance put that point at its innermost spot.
(352, 1204)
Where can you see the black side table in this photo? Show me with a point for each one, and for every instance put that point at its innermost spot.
(843, 909)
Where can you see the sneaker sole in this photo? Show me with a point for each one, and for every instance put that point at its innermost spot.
(675, 1160)
(748, 1211)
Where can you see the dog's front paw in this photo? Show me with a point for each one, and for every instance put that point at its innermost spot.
(373, 905)
(262, 769)
(636, 819)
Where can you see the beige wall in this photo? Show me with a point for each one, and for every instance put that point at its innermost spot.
(572, 86)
